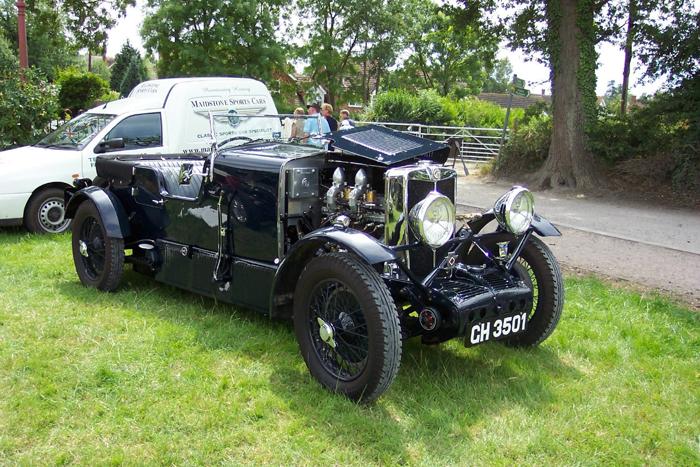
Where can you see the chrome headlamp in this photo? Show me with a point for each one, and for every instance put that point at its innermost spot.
(515, 209)
(433, 219)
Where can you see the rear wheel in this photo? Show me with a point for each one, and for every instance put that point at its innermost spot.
(347, 327)
(98, 258)
(46, 212)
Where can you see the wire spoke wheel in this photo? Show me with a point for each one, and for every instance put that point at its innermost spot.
(92, 247)
(347, 327)
(338, 330)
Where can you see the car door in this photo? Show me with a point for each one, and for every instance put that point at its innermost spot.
(135, 134)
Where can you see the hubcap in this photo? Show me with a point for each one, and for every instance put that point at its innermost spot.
(338, 329)
(52, 215)
(82, 246)
(91, 247)
(325, 330)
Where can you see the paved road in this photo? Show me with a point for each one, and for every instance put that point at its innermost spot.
(652, 246)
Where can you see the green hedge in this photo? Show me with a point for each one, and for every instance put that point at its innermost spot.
(80, 90)
(429, 108)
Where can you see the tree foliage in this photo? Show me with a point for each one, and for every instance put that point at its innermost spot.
(132, 77)
(50, 49)
(500, 77)
(448, 53)
(214, 37)
(89, 21)
(26, 107)
(123, 61)
(335, 31)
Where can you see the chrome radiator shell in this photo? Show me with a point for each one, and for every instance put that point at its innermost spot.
(404, 188)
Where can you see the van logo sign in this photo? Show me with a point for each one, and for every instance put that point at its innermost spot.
(237, 107)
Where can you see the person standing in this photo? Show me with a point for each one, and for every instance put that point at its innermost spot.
(327, 112)
(346, 122)
(311, 125)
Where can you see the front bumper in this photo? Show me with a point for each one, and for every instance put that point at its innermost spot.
(12, 206)
(476, 298)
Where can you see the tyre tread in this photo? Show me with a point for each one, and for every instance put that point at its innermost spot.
(389, 322)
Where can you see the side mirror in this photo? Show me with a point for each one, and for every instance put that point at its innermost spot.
(109, 145)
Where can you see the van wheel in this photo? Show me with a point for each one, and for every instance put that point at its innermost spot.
(99, 259)
(46, 212)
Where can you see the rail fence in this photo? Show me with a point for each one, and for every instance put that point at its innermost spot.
(476, 145)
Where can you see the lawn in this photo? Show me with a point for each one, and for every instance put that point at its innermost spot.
(152, 375)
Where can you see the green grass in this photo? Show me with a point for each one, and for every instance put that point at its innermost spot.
(152, 375)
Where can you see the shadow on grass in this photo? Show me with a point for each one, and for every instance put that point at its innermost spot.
(440, 392)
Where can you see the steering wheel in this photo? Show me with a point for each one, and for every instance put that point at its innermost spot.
(235, 138)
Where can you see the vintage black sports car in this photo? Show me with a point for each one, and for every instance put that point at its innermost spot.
(356, 240)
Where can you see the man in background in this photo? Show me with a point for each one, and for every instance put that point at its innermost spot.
(327, 112)
(311, 125)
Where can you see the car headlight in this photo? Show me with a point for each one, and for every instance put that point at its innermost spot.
(433, 219)
(515, 209)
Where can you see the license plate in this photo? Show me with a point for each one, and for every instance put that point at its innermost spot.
(496, 328)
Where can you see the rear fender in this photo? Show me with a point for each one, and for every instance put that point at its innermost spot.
(114, 218)
(366, 248)
(540, 225)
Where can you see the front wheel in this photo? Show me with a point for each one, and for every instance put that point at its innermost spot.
(46, 212)
(538, 269)
(98, 258)
(347, 327)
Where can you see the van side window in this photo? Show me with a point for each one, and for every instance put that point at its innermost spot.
(139, 131)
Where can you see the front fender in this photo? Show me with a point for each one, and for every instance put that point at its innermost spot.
(114, 218)
(367, 248)
(540, 225)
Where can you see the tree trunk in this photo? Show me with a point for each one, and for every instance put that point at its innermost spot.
(569, 162)
(629, 40)
(89, 57)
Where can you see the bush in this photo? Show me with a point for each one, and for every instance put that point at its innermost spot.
(527, 148)
(665, 132)
(392, 106)
(26, 108)
(429, 108)
(79, 90)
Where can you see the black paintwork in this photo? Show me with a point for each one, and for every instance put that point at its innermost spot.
(232, 236)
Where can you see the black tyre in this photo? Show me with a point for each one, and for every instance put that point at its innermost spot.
(539, 269)
(347, 327)
(99, 259)
(45, 212)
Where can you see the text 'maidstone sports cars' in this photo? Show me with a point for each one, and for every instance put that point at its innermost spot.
(356, 240)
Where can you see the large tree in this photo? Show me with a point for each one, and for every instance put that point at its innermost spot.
(564, 33)
(214, 37)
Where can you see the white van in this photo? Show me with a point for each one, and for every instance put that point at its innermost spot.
(165, 116)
